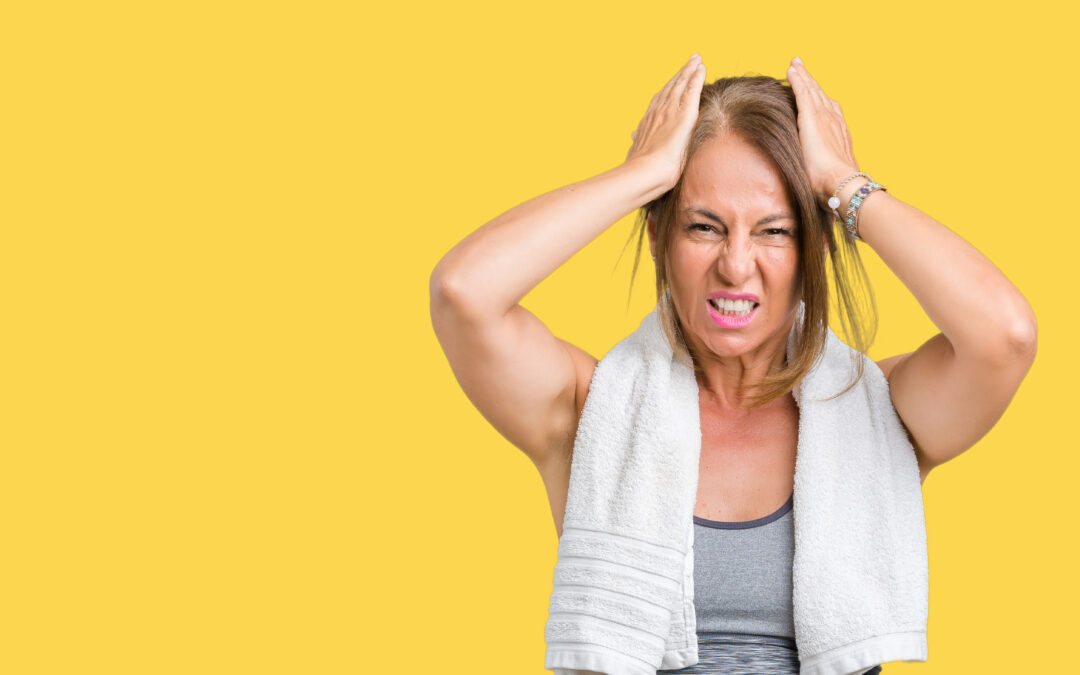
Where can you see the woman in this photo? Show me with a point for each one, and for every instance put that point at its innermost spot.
(734, 182)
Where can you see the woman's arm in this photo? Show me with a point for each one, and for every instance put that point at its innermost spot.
(955, 387)
(952, 390)
(494, 267)
(979, 311)
(524, 380)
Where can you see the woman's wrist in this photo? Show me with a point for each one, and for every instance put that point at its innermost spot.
(848, 191)
(840, 189)
(654, 178)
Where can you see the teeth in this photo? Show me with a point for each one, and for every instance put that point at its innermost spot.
(734, 306)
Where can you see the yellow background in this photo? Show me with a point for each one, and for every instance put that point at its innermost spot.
(230, 440)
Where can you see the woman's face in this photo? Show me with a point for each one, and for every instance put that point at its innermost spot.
(735, 232)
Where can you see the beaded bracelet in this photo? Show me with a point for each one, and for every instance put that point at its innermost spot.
(834, 201)
(852, 216)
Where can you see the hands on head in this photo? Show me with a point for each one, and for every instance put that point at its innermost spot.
(663, 135)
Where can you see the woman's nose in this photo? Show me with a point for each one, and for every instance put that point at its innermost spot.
(736, 261)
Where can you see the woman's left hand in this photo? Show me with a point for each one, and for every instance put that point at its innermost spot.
(825, 139)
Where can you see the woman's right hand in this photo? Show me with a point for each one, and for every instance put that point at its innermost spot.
(663, 135)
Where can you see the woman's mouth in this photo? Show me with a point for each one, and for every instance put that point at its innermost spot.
(732, 313)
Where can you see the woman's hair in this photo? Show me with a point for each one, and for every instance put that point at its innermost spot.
(761, 110)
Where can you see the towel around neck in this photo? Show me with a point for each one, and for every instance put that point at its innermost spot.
(622, 596)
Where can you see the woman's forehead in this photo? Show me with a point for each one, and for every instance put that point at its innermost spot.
(728, 201)
(733, 181)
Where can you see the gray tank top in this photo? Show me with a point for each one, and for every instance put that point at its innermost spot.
(742, 595)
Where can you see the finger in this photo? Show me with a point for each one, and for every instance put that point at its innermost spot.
(666, 91)
(798, 85)
(679, 76)
(692, 91)
(804, 92)
(685, 76)
(813, 87)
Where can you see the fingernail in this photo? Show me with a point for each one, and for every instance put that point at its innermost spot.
(797, 60)
(693, 56)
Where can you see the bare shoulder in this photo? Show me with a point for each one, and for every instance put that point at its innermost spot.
(886, 365)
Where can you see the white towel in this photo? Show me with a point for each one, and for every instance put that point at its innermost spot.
(622, 599)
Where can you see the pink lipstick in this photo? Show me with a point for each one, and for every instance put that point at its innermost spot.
(725, 320)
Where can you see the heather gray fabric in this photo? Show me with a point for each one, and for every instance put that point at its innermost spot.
(742, 596)
(742, 574)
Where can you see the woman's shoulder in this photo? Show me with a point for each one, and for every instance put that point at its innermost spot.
(887, 364)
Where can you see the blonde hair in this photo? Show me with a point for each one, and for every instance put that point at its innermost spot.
(762, 111)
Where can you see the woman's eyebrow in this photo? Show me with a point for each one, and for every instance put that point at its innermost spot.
(709, 214)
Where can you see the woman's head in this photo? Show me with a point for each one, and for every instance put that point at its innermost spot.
(743, 219)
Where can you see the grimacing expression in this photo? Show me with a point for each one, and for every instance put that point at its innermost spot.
(736, 230)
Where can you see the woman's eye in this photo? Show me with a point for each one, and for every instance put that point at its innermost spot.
(702, 227)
